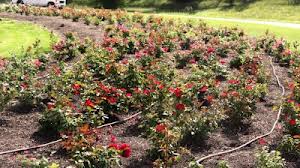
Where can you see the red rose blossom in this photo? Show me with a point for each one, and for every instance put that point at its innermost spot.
(89, 103)
(210, 50)
(222, 62)
(112, 100)
(209, 98)
(178, 92)
(224, 94)
(249, 87)
(76, 86)
(204, 89)
(233, 81)
(114, 146)
(50, 105)
(160, 128)
(234, 93)
(180, 107)
(128, 95)
(37, 63)
(262, 141)
(125, 150)
(292, 122)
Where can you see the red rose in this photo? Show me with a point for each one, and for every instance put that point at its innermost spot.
(204, 89)
(292, 122)
(209, 98)
(114, 146)
(37, 63)
(112, 100)
(160, 128)
(180, 107)
(161, 86)
(146, 92)
(189, 85)
(262, 141)
(125, 150)
(129, 95)
(233, 81)
(123, 89)
(24, 86)
(222, 62)
(89, 103)
(249, 87)
(234, 94)
(292, 86)
(224, 94)
(76, 86)
(50, 106)
(193, 61)
(178, 92)
(290, 101)
(210, 50)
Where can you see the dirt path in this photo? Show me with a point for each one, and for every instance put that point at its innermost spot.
(60, 26)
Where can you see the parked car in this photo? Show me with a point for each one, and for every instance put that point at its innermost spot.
(56, 3)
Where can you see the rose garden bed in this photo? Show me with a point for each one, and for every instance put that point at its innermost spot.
(197, 91)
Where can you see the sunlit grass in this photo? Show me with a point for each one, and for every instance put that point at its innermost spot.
(17, 36)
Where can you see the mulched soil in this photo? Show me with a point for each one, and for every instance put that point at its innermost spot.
(19, 127)
(60, 26)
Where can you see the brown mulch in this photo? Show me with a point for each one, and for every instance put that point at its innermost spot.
(60, 26)
(18, 128)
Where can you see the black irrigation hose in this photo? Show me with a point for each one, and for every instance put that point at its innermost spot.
(259, 137)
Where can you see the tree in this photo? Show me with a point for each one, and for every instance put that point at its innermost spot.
(111, 4)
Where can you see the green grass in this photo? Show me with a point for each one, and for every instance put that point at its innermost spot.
(15, 37)
(290, 34)
(274, 10)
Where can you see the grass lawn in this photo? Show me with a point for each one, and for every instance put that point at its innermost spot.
(16, 36)
(272, 10)
(290, 34)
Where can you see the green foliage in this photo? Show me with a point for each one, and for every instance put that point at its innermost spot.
(223, 164)
(39, 163)
(266, 159)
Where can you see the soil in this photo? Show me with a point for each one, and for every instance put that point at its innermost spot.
(19, 126)
(60, 26)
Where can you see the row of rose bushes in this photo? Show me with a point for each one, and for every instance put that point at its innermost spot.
(284, 55)
(185, 79)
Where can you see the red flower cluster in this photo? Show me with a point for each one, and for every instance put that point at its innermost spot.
(37, 63)
(249, 87)
(124, 149)
(292, 122)
(89, 103)
(209, 98)
(180, 107)
(210, 50)
(76, 88)
(233, 82)
(178, 93)
(112, 100)
(204, 89)
(160, 128)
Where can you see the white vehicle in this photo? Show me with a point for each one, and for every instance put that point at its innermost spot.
(56, 3)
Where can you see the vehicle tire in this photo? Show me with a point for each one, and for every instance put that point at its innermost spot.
(20, 2)
(51, 4)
